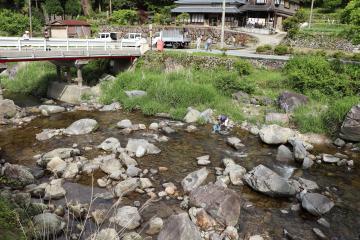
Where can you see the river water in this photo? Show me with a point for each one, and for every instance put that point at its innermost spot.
(259, 215)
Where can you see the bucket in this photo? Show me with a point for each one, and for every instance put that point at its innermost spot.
(160, 45)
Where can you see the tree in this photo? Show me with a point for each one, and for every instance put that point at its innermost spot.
(72, 7)
(183, 18)
(351, 13)
(86, 7)
(331, 5)
(13, 23)
(53, 7)
(124, 17)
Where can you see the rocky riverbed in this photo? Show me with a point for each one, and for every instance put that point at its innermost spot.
(98, 172)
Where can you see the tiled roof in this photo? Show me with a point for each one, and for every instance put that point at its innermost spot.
(205, 10)
(208, 1)
(70, 23)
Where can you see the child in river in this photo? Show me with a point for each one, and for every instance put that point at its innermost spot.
(221, 125)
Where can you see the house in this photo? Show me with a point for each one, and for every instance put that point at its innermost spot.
(69, 29)
(239, 13)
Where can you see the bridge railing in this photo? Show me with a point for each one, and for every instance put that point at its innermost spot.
(20, 44)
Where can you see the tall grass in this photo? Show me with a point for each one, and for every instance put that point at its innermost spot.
(175, 92)
(33, 78)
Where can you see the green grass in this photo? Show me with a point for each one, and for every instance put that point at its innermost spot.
(33, 78)
(9, 229)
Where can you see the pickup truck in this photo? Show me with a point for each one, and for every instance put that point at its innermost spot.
(172, 38)
(133, 40)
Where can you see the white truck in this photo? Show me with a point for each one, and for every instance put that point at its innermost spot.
(174, 38)
(129, 40)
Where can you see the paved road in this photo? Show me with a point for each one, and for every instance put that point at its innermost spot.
(245, 53)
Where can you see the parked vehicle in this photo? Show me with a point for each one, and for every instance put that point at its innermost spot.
(108, 36)
(133, 40)
(174, 38)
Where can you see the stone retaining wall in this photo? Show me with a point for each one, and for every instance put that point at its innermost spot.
(193, 33)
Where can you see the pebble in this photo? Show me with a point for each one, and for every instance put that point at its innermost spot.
(137, 204)
(163, 169)
(323, 222)
(319, 233)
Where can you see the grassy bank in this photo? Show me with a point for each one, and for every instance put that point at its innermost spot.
(175, 81)
(9, 227)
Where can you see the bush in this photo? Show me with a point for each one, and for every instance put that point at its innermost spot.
(264, 48)
(227, 82)
(243, 67)
(125, 17)
(31, 79)
(281, 50)
(182, 18)
(314, 72)
(13, 23)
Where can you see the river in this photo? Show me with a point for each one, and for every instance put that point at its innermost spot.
(259, 215)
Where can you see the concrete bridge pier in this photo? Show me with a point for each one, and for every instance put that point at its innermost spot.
(1, 93)
(79, 64)
(2, 67)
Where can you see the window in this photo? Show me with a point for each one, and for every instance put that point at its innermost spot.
(260, 1)
(197, 18)
(286, 4)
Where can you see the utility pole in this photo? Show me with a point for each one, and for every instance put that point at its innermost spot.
(311, 12)
(30, 18)
(223, 24)
(110, 7)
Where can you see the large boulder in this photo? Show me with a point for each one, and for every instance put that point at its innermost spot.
(299, 149)
(8, 109)
(48, 225)
(316, 203)
(125, 123)
(179, 227)
(46, 110)
(274, 134)
(192, 116)
(350, 129)
(289, 101)
(111, 165)
(235, 171)
(110, 144)
(62, 153)
(82, 126)
(47, 134)
(134, 144)
(207, 115)
(221, 203)
(17, 175)
(127, 217)
(194, 179)
(266, 181)
(54, 190)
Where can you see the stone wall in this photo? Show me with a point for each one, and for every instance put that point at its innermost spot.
(316, 41)
(193, 33)
(171, 62)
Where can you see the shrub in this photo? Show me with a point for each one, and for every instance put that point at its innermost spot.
(13, 23)
(314, 72)
(264, 48)
(281, 50)
(227, 82)
(182, 18)
(125, 17)
(243, 67)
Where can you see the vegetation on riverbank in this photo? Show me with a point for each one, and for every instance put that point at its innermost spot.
(8, 222)
(171, 87)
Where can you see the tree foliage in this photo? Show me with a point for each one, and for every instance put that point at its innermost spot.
(125, 17)
(14, 23)
(73, 7)
(53, 7)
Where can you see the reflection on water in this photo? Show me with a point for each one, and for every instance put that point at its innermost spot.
(260, 214)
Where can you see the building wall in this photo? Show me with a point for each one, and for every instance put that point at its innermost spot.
(58, 32)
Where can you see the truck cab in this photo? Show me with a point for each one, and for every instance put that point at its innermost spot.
(133, 40)
(108, 36)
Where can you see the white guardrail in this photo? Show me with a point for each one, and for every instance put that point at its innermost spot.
(20, 44)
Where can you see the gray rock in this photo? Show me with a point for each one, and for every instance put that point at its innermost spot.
(191, 128)
(71, 171)
(327, 158)
(54, 190)
(110, 144)
(123, 124)
(179, 227)
(323, 222)
(230, 233)
(319, 234)
(62, 153)
(350, 129)
(307, 184)
(235, 172)
(276, 118)
(133, 171)
(131, 236)
(284, 154)
(82, 126)
(56, 165)
(155, 226)
(126, 186)
(127, 217)
(207, 115)
(221, 203)
(168, 130)
(37, 191)
(234, 142)
(17, 175)
(316, 203)
(289, 101)
(274, 134)
(8, 109)
(47, 134)
(111, 107)
(264, 180)
(127, 160)
(192, 116)
(307, 163)
(154, 126)
(194, 179)
(134, 144)
(135, 93)
(339, 142)
(46, 110)
(241, 97)
(48, 225)
(299, 149)
(105, 234)
(203, 160)
(111, 165)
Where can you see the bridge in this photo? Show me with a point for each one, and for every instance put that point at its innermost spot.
(64, 52)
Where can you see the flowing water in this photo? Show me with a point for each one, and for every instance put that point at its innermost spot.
(260, 214)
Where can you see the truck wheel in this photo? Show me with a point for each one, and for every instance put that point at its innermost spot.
(175, 45)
